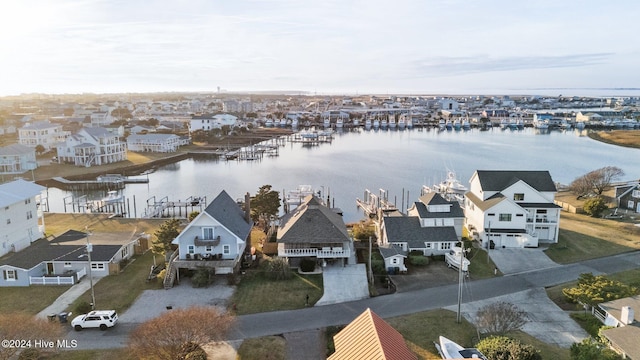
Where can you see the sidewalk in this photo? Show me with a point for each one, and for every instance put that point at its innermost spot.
(67, 298)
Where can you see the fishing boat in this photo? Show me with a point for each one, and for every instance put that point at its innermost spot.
(295, 197)
(392, 122)
(451, 188)
(376, 123)
(451, 350)
(455, 257)
(367, 124)
(339, 123)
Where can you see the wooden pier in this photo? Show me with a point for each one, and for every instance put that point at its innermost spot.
(163, 208)
(372, 204)
(105, 182)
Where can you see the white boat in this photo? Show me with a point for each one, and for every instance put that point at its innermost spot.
(442, 124)
(339, 123)
(457, 125)
(402, 122)
(112, 197)
(540, 124)
(376, 123)
(268, 123)
(296, 197)
(409, 123)
(392, 122)
(383, 123)
(327, 122)
(356, 122)
(451, 350)
(450, 188)
(455, 256)
(367, 124)
(465, 124)
(294, 123)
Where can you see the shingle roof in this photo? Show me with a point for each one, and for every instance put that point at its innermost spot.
(393, 250)
(370, 337)
(625, 338)
(312, 222)
(40, 125)
(16, 149)
(18, 190)
(55, 250)
(407, 229)
(437, 199)
(151, 136)
(487, 204)
(225, 210)
(498, 180)
(97, 132)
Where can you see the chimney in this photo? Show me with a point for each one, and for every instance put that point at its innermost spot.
(247, 207)
(626, 315)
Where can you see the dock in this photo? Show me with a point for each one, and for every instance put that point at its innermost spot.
(371, 203)
(164, 208)
(104, 182)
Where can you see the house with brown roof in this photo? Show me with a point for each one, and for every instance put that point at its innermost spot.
(313, 230)
(370, 337)
(624, 316)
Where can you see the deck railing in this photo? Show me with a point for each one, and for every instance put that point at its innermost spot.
(319, 253)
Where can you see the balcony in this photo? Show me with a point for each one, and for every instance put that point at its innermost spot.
(206, 242)
(321, 253)
(542, 220)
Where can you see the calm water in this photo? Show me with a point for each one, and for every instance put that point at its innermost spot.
(397, 161)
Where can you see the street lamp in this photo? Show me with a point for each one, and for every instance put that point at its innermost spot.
(89, 249)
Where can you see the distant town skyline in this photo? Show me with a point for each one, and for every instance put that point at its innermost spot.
(339, 47)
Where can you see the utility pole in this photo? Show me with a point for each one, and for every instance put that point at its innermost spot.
(370, 271)
(93, 295)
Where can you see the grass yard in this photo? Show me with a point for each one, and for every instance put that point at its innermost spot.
(58, 223)
(583, 237)
(30, 300)
(421, 330)
(257, 293)
(118, 292)
(264, 348)
(479, 267)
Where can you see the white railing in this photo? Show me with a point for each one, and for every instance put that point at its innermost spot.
(51, 280)
(314, 252)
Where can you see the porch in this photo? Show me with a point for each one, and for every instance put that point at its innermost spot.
(67, 279)
(324, 252)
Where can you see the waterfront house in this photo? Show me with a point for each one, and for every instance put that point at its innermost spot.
(208, 122)
(154, 142)
(512, 208)
(64, 260)
(393, 257)
(315, 231)
(624, 317)
(370, 337)
(21, 219)
(42, 133)
(92, 146)
(628, 196)
(17, 159)
(435, 211)
(216, 238)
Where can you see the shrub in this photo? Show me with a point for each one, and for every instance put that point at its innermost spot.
(82, 308)
(594, 206)
(278, 269)
(377, 266)
(504, 348)
(416, 253)
(500, 318)
(307, 265)
(161, 275)
(418, 260)
(202, 277)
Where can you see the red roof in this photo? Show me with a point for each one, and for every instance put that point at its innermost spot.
(370, 337)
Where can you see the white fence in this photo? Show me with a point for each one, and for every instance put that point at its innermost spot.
(56, 280)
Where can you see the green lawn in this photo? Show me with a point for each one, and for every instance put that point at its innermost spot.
(573, 246)
(264, 348)
(480, 268)
(118, 292)
(257, 293)
(30, 300)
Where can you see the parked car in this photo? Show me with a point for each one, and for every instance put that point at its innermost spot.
(102, 319)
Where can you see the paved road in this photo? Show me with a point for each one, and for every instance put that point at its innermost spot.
(281, 322)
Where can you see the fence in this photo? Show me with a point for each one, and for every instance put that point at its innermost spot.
(57, 280)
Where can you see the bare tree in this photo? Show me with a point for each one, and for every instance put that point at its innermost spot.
(500, 318)
(595, 182)
(179, 332)
(22, 330)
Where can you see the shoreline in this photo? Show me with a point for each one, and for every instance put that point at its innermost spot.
(624, 138)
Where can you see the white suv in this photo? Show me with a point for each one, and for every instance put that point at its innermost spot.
(102, 319)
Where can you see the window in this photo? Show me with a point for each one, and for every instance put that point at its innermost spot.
(519, 215)
(191, 249)
(394, 261)
(427, 245)
(207, 233)
(8, 221)
(491, 214)
(445, 246)
(636, 193)
(504, 217)
(541, 211)
(226, 249)
(518, 197)
(10, 275)
(67, 264)
(98, 266)
(208, 248)
(28, 201)
(630, 204)
(29, 215)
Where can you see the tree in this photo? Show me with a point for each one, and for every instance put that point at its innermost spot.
(592, 290)
(25, 328)
(278, 268)
(266, 202)
(179, 333)
(167, 232)
(40, 149)
(500, 318)
(594, 206)
(504, 348)
(596, 181)
(193, 215)
(590, 349)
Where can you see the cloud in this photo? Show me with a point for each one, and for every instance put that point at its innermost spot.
(453, 66)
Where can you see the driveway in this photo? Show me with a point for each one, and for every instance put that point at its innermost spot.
(344, 283)
(547, 322)
(512, 261)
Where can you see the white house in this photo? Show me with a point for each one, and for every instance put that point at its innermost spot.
(17, 159)
(512, 208)
(21, 220)
(41, 133)
(624, 317)
(92, 146)
(154, 142)
(216, 238)
(209, 121)
(101, 119)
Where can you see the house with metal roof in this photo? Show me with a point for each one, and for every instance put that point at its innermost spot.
(17, 159)
(21, 219)
(313, 230)
(512, 208)
(370, 337)
(216, 238)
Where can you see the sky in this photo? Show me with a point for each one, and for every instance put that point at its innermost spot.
(326, 47)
